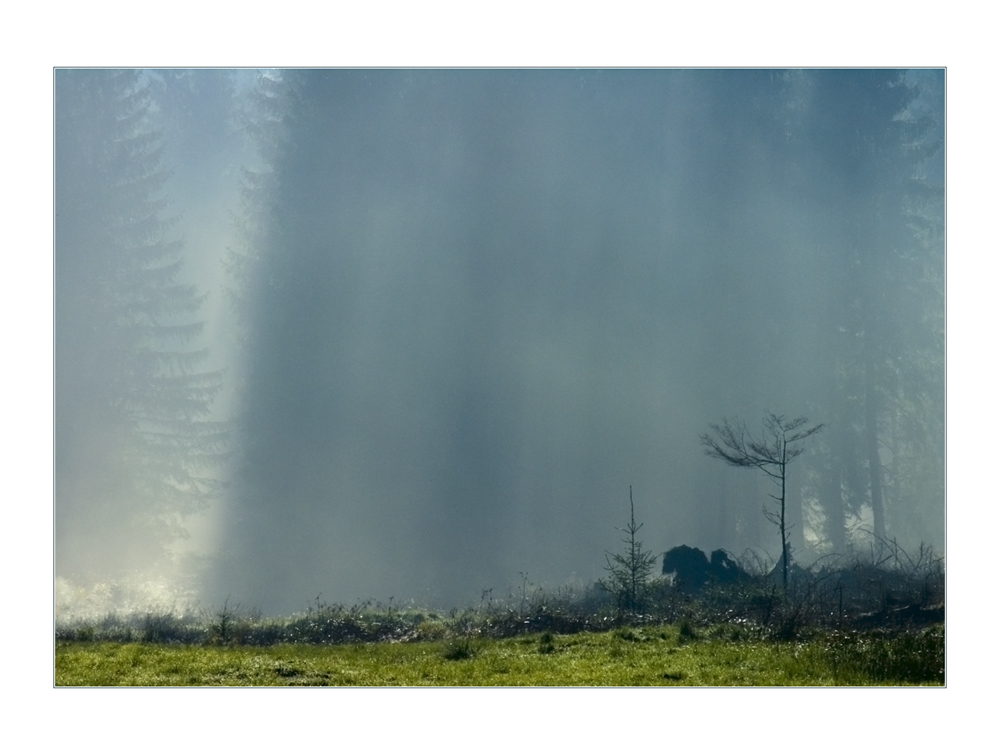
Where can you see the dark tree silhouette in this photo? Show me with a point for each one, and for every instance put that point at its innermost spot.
(628, 572)
(771, 452)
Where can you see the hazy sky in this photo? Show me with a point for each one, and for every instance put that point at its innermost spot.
(496, 299)
(486, 302)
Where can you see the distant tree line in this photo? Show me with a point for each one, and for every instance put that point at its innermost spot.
(858, 264)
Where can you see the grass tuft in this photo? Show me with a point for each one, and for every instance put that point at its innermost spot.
(460, 649)
(546, 644)
(685, 632)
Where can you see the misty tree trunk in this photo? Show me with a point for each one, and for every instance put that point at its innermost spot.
(796, 535)
(749, 493)
(871, 437)
(783, 525)
(830, 473)
(890, 486)
(724, 524)
(833, 507)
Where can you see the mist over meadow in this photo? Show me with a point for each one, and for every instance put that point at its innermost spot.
(414, 333)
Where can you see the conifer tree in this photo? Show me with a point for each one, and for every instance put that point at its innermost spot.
(629, 572)
(886, 332)
(134, 447)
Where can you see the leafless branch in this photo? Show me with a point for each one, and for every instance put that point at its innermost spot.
(778, 444)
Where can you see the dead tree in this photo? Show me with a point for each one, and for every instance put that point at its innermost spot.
(771, 452)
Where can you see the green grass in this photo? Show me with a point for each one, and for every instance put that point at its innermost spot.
(665, 655)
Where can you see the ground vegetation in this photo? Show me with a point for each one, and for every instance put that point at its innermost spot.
(877, 619)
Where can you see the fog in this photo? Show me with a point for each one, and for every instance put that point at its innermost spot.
(449, 317)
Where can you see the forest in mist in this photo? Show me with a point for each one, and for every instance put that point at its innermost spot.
(415, 333)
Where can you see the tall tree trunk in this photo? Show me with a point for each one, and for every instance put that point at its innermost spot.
(871, 435)
(891, 488)
(723, 524)
(796, 536)
(833, 506)
(783, 526)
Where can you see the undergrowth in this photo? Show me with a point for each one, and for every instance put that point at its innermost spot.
(878, 621)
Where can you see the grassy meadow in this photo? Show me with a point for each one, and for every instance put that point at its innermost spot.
(661, 655)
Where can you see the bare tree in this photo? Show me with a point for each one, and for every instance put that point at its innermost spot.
(771, 452)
